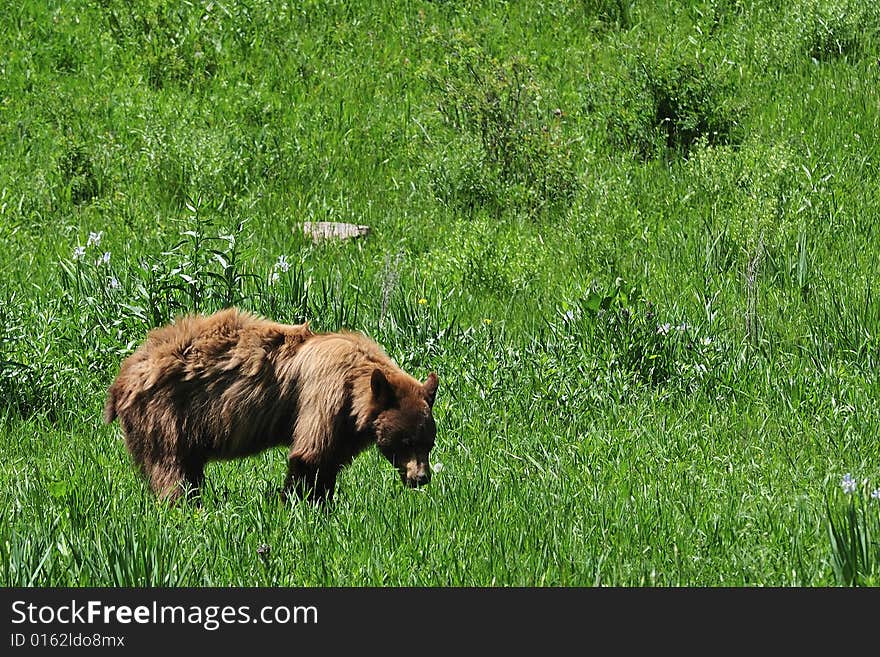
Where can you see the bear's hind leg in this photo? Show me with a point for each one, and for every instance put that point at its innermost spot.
(171, 481)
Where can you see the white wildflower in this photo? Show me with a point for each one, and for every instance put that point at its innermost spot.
(282, 263)
(113, 283)
(95, 238)
(79, 252)
(663, 329)
(104, 259)
(273, 277)
(848, 484)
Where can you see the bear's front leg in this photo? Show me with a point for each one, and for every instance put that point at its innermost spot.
(308, 481)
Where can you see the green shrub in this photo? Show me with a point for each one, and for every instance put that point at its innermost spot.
(79, 180)
(820, 31)
(838, 29)
(663, 105)
(176, 43)
(638, 340)
(501, 260)
(505, 142)
(752, 192)
(617, 13)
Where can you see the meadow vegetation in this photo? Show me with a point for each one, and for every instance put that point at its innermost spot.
(638, 241)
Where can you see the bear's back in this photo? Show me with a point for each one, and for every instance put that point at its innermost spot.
(204, 348)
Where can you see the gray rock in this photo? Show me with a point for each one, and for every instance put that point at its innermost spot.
(323, 230)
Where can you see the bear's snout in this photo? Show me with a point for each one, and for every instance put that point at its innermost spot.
(415, 474)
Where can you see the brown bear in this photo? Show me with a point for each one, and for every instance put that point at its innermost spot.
(233, 384)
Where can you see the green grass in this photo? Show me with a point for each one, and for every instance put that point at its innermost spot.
(638, 241)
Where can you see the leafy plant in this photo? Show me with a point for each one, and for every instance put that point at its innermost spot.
(839, 29)
(178, 44)
(611, 12)
(638, 340)
(80, 182)
(853, 522)
(508, 145)
(666, 105)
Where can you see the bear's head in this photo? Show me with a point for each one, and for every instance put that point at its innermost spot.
(404, 425)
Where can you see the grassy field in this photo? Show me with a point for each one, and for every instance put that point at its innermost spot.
(638, 241)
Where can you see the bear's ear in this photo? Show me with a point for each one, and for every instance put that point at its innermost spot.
(430, 388)
(383, 392)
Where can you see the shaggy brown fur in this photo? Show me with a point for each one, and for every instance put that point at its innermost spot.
(233, 384)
